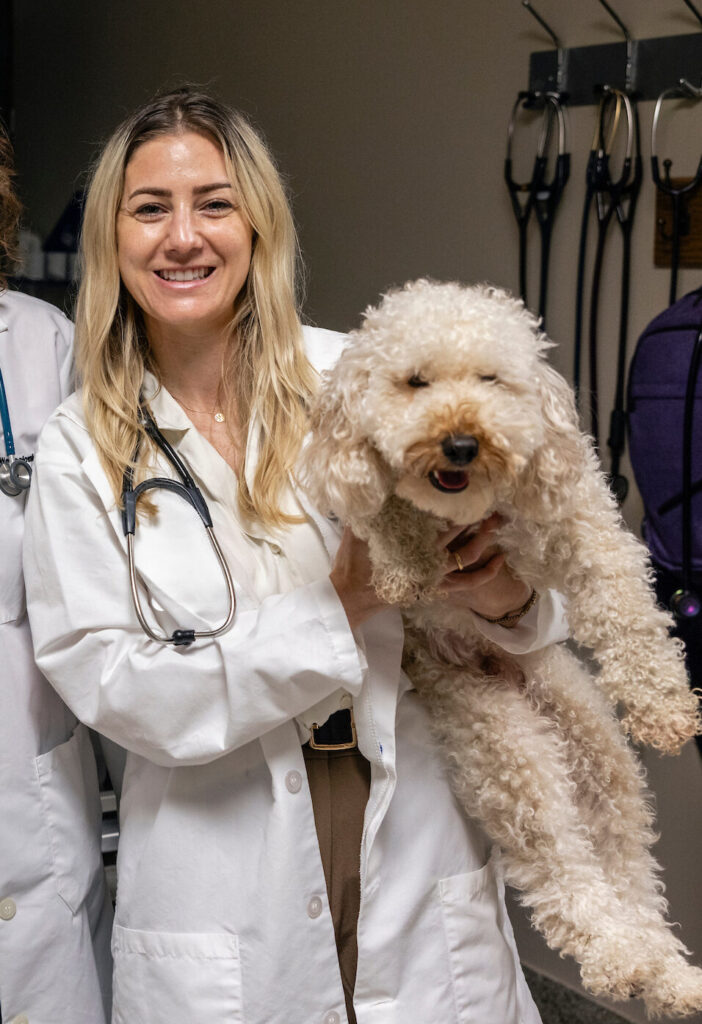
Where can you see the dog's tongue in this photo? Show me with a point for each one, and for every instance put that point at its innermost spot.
(452, 479)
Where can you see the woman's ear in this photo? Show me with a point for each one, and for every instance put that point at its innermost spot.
(339, 468)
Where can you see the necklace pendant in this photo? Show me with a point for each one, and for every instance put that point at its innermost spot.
(219, 417)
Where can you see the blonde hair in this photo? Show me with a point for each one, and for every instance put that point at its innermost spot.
(265, 370)
(10, 210)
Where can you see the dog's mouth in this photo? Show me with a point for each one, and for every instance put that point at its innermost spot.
(450, 481)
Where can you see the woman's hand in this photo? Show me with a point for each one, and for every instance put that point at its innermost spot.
(351, 577)
(486, 584)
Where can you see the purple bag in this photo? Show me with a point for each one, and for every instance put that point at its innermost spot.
(660, 375)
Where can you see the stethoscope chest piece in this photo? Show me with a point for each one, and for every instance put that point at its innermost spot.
(15, 470)
(15, 475)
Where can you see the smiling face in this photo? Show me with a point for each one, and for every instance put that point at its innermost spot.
(183, 243)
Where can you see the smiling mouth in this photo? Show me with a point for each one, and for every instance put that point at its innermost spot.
(450, 481)
(188, 274)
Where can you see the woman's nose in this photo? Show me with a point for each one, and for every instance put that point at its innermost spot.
(183, 235)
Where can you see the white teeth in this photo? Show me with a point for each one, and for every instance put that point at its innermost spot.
(195, 274)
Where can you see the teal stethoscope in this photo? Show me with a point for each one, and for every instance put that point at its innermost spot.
(15, 470)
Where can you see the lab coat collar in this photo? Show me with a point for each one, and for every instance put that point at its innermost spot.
(169, 415)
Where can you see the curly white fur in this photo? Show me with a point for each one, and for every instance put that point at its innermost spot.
(535, 751)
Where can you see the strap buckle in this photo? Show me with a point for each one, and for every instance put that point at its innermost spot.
(341, 724)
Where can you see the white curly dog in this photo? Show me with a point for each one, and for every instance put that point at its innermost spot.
(443, 410)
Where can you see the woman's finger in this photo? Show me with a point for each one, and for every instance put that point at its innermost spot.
(456, 580)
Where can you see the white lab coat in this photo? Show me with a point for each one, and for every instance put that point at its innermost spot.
(222, 911)
(55, 917)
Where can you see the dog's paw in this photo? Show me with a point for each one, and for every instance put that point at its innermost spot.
(666, 726)
(675, 990)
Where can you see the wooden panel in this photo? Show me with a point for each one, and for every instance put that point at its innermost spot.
(690, 239)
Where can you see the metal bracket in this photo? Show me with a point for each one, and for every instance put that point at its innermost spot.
(656, 64)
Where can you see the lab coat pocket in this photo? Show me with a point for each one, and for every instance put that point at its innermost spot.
(71, 807)
(483, 959)
(175, 978)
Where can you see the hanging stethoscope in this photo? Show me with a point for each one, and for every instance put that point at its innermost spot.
(612, 197)
(678, 195)
(15, 470)
(539, 195)
(186, 488)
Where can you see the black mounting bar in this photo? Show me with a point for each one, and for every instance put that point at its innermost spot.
(657, 64)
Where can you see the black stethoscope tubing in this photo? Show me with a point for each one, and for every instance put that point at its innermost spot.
(610, 197)
(542, 197)
(187, 489)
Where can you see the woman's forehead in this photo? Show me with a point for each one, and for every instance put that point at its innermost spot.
(183, 159)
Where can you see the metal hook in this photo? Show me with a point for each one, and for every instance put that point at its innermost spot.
(688, 90)
(694, 10)
(629, 43)
(556, 42)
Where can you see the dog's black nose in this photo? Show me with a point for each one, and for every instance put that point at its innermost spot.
(460, 449)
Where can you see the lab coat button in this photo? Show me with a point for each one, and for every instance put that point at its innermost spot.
(8, 909)
(293, 781)
(314, 907)
(332, 1017)
(276, 549)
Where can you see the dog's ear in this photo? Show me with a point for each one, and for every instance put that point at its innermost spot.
(339, 468)
(564, 466)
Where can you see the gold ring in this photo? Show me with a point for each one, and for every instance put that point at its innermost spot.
(459, 563)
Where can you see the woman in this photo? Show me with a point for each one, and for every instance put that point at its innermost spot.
(55, 916)
(243, 851)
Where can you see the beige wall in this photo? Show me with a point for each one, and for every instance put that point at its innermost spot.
(389, 118)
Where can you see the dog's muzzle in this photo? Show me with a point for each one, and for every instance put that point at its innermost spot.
(460, 450)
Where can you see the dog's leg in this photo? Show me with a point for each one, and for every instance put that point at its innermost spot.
(613, 803)
(509, 769)
(404, 552)
(582, 550)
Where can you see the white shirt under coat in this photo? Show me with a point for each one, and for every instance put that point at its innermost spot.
(55, 916)
(222, 910)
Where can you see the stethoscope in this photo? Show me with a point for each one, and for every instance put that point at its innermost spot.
(680, 194)
(15, 470)
(186, 488)
(611, 197)
(540, 195)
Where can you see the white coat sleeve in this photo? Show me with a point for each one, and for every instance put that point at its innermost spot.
(544, 624)
(170, 705)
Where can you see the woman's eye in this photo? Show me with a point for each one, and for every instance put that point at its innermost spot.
(218, 206)
(416, 381)
(149, 210)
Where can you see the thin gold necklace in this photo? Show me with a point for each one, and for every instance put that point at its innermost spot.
(217, 415)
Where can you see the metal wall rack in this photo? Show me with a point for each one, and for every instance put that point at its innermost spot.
(642, 67)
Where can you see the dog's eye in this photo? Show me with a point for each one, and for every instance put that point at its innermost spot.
(488, 377)
(416, 381)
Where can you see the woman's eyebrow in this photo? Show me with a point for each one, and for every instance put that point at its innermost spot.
(166, 192)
